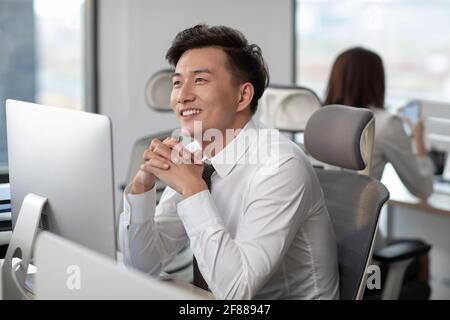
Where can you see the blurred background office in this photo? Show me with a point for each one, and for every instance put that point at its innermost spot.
(98, 56)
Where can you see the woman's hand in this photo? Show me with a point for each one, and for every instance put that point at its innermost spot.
(418, 136)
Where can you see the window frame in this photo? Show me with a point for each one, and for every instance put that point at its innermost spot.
(90, 51)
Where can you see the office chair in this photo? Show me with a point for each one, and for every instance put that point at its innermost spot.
(158, 89)
(288, 108)
(354, 200)
(157, 97)
(340, 136)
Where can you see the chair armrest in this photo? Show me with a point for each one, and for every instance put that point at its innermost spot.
(401, 251)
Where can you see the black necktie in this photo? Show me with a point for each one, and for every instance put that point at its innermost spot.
(208, 170)
(199, 281)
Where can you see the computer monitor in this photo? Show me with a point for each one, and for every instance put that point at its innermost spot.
(436, 116)
(69, 271)
(64, 156)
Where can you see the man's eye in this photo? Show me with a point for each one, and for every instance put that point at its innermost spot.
(176, 83)
(199, 80)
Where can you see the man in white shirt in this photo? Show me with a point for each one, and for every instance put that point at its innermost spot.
(257, 229)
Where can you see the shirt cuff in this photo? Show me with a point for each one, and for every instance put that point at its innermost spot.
(198, 212)
(141, 207)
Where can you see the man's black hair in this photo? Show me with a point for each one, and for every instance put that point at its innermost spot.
(245, 60)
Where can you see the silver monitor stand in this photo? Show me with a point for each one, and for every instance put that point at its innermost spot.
(21, 246)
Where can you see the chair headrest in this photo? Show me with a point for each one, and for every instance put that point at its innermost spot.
(158, 89)
(288, 107)
(334, 135)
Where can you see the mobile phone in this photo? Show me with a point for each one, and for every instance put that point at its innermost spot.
(411, 112)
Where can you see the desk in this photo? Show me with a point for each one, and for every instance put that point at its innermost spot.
(175, 282)
(437, 203)
(409, 217)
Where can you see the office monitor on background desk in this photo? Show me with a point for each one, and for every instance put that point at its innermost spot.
(436, 117)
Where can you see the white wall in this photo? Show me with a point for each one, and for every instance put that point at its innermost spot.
(133, 39)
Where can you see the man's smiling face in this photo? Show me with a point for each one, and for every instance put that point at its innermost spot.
(204, 89)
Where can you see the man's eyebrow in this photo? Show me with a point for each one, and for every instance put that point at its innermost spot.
(202, 71)
(177, 74)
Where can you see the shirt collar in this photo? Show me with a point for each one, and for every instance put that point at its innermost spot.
(224, 161)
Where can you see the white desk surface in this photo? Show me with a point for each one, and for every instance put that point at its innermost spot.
(437, 203)
(176, 282)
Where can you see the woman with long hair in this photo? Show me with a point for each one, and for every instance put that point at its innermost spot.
(357, 79)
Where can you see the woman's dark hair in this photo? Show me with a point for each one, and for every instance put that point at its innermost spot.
(357, 79)
(245, 60)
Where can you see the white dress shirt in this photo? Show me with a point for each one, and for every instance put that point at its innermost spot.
(391, 144)
(259, 234)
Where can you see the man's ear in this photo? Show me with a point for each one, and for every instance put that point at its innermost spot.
(246, 92)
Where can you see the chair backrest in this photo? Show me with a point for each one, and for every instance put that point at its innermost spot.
(348, 137)
(333, 135)
(158, 89)
(288, 108)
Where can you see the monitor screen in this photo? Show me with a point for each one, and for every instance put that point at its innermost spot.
(64, 156)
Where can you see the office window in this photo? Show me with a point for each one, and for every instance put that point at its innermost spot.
(46, 56)
(412, 37)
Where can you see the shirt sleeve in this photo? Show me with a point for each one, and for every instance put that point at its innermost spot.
(236, 268)
(416, 172)
(150, 236)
